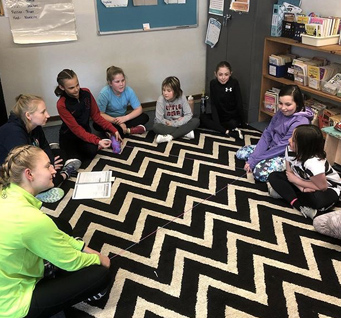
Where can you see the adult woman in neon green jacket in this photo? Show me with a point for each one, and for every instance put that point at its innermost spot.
(29, 238)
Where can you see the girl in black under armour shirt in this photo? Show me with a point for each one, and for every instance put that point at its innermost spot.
(226, 103)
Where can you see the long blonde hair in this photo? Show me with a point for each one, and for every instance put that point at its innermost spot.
(26, 103)
(18, 159)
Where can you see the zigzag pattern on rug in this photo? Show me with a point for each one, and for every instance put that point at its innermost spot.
(191, 235)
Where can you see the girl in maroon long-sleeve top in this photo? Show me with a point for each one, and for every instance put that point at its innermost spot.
(75, 107)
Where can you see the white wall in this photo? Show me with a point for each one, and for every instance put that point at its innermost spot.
(146, 58)
(322, 7)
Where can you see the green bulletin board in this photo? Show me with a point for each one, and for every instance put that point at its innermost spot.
(132, 18)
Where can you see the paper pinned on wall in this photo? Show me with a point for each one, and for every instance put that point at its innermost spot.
(240, 5)
(213, 32)
(175, 1)
(2, 11)
(144, 2)
(216, 7)
(44, 21)
(115, 3)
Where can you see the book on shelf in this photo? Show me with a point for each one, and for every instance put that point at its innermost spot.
(316, 20)
(336, 26)
(289, 17)
(313, 29)
(316, 106)
(271, 100)
(280, 59)
(301, 65)
(300, 71)
(302, 18)
(314, 77)
(93, 185)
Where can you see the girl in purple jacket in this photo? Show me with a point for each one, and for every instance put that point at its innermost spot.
(268, 155)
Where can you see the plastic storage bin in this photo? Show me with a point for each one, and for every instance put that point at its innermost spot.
(319, 41)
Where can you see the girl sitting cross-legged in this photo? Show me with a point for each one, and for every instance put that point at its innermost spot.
(268, 155)
(76, 106)
(309, 184)
(173, 115)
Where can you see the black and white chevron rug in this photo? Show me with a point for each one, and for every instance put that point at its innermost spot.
(191, 235)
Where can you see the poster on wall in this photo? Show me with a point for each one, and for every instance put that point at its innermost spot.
(34, 21)
(216, 7)
(240, 5)
(2, 12)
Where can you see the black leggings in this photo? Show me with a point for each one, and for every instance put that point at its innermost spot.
(52, 295)
(75, 147)
(207, 121)
(319, 200)
(139, 120)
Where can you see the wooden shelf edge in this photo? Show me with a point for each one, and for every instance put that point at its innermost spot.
(308, 89)
(331, 49)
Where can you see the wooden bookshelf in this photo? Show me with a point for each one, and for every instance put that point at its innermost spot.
(279, 45)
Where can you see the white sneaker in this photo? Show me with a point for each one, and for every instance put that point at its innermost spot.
(272, 192)
(239, 133)
(308, 212)
(54, 145)
(190, 135)
(163, 138)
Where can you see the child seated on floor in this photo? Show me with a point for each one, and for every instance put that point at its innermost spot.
(268, 155)
(113, 101)
(173, 115)
(309, 184)
(76, 106)
(226, 103)
(25, 127)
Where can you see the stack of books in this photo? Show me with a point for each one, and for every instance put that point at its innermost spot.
(271, 100)
(319, 75)
(281, 59)
(322, 27)
(300, 66)
(278, 64)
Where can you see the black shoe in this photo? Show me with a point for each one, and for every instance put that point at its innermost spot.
(234, 134)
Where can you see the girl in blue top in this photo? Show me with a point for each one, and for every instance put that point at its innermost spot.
(113, 101)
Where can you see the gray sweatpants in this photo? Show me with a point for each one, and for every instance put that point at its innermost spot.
(176, 132)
